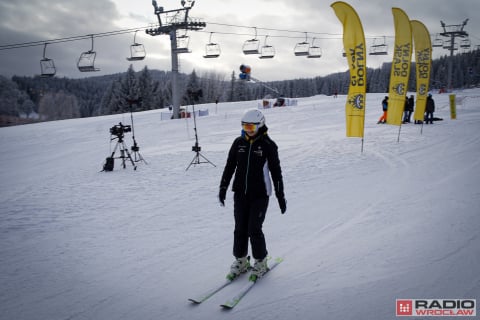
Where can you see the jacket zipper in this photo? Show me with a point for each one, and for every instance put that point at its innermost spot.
(248, 166)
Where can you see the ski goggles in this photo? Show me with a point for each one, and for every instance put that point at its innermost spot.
(249, 126)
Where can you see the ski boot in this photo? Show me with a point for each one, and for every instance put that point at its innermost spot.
(239, 266)
(259, 269)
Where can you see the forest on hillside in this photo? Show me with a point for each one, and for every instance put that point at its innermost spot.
(30, 99)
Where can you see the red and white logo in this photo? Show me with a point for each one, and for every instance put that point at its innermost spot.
(404, 307)
(436, 307)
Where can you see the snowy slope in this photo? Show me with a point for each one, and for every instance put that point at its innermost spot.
(399, 220)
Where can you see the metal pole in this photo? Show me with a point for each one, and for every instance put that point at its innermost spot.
(175, 91)
(450, 63)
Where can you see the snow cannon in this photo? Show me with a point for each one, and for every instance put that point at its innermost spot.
(244, 72)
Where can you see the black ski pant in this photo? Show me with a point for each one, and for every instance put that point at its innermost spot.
(249, 212)
(429, 117)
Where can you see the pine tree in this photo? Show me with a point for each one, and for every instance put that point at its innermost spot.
(193, 92)
(128, 91)
(148, 91)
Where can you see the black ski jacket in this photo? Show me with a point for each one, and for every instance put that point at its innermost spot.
(251, 159)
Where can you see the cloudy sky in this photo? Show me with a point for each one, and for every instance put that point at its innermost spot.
(232, 23)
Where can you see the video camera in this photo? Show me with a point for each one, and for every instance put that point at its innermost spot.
(119, 129)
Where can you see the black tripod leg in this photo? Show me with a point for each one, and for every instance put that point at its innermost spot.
(201, 155)
(193, 161)
(131, 160)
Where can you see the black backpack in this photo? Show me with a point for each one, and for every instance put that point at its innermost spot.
(108, 166)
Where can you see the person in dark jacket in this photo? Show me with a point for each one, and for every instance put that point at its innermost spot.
(429, 109)
(409, 104)
(253, 158)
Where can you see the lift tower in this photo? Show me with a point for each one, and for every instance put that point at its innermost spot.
(452, 32)
(174, 20)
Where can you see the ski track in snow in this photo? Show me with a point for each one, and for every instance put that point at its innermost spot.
(399, 220)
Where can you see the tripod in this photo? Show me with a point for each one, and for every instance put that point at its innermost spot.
(124, 154)
(196, 148)
(135, 148)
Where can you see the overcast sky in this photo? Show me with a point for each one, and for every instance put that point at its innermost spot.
(285, 22)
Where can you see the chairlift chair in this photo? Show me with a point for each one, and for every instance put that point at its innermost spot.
(301, 48)
(86, 62)
(465, 43)
(182, 44)
(379, 49)
(437, 42)
(448, 45)
(267, 51)
(314, 51)
(212, 50)
(137, 50)
(47, 66)
(252, 46)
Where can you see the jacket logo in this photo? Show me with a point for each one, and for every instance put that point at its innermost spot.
(259, 151)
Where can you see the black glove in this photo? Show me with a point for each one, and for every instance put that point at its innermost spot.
(282, 203)
(221, 196)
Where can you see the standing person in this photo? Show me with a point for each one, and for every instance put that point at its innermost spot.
(411, 104)
(383, 118)
(251, 157)
(405, 110)
(429, 109)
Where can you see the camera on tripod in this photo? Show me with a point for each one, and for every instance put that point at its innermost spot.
(195, 95)
(196, 148)
(119, 130)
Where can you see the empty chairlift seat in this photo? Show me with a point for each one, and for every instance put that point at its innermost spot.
(301, 48)
(86, 62)
(314, 51)
(137, 50)
(182, 44)
(251, 46)
(437, 42)
(465, 43)
(379, 49)
(267, 51)
(47, 66)
(212, 50)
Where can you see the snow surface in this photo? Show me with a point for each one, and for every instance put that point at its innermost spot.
(399, 220)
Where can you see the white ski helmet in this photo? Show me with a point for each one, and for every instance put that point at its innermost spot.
(254, 116)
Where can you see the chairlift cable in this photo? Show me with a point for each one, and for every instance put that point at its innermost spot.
(328, 36)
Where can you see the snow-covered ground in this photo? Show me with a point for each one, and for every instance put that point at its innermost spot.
(400, 220)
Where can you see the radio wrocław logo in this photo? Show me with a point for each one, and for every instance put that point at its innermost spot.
(436, 307)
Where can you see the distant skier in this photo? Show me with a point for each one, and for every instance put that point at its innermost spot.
(251, 157)
(429, 109)
(383, 118)
(409, 104)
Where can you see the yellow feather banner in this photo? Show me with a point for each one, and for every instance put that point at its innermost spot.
(355, 49)
(423, 63)
(400, 71)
